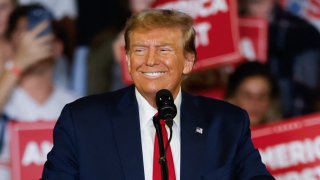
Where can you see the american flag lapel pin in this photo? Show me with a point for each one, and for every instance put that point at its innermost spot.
(199, 130)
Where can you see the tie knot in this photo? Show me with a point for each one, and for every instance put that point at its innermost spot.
(163, 122)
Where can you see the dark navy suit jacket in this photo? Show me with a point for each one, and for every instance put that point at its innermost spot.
(98, 138)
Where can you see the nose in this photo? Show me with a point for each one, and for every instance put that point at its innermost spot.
(152, 58)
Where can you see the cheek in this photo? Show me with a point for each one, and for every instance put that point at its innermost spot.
(134, 62)
(176, 64)
(179, 71)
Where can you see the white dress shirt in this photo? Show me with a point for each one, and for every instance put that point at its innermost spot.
(147, 129)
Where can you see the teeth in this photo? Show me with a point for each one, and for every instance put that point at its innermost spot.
(153, 74)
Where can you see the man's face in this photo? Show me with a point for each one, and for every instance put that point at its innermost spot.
(6, 6)
(156, 60)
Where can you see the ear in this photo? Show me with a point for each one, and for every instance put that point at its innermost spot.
(128, 62)
(188, 63)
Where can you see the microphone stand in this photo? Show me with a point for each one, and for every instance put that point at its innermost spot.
(167, 110)
(163, 159)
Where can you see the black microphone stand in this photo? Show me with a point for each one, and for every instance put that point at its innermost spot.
(167, 111)
(163, 159)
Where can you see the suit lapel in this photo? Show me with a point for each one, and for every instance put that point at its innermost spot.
(127, 135)
(192, 138)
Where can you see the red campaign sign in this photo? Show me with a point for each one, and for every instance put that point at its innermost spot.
(254, 38)
(216, 24)
(291, 148)
(30, 143)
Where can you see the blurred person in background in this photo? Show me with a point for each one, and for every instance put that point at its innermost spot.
(252, 87)
(11, 61)
(294, 54)
(27, 89)
(29, 52)
(64, 13)
(99, 23)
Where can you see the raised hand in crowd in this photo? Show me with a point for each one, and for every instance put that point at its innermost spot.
(27, 48)
(30, 48)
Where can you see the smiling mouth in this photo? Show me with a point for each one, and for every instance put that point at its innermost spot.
(154, 74)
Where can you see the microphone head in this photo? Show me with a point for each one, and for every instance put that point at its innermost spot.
(166, 108)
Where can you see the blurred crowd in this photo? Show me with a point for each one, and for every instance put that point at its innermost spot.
(53, 52)
(287, 85)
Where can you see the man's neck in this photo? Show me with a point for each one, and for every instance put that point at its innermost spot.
(151, 98)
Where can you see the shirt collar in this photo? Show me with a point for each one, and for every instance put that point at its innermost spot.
(146, 111)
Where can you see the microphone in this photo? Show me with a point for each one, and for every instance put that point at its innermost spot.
(167, 110)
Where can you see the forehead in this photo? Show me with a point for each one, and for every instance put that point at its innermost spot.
(159, 35)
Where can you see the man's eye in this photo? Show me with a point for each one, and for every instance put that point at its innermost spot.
(165, 50)
(139, 51)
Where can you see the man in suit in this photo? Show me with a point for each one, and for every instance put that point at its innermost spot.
(111, 136)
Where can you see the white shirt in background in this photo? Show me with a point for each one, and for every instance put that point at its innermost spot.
(21, 107)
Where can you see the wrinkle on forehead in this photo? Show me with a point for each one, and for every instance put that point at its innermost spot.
(151, 42)
(155, 39)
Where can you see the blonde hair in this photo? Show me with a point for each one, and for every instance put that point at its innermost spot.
(158, 18)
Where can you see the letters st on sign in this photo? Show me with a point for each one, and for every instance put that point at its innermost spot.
(216, 24)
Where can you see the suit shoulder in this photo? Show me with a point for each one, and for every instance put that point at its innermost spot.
(222, 111)
(229, 117)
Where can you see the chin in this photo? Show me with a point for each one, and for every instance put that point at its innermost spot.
(151, 90)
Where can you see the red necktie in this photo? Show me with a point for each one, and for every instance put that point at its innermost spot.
(156, 156)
